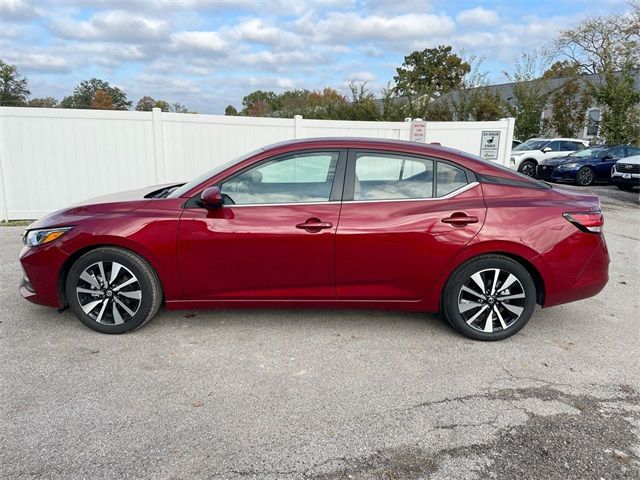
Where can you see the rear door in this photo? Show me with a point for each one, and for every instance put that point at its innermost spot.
(403, 218)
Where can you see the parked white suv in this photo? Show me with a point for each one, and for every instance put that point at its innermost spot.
(526, 156)
(626, 173)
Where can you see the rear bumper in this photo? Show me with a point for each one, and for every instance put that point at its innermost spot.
(41, 267)
(590, 258)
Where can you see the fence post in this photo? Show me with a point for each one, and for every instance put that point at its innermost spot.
(297, 126)
(158, 145)
(4, 208)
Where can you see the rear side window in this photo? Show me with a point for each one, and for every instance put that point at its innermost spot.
(397, 177)
(449, 179)
(392, 177)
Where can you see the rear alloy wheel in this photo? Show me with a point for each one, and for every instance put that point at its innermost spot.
(528, 167)
(113, 290)
(489, 298)
(585, 176)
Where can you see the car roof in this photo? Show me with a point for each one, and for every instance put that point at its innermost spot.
(344, 141)
(555, 139)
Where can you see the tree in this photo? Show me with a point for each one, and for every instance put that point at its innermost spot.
(231, 111)
(616, 92)
(14, 89)
(163, 105)
(608, 42)
(569, 105)
(327, 104)
(487, 106)
(102, 101)
(84, 93)
(47, 102)
(260, 103)
(563, 69)
(145, 104)
(530, 95)
(363, 104)
(609, 45)
(430, 72)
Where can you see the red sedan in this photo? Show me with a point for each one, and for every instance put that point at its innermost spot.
(326, 223)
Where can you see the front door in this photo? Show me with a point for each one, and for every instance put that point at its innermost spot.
(274, 236)
(402, 221)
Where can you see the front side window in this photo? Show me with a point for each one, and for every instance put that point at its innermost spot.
(616, 153)
(301, 178)
(392, 177)
(632, 151)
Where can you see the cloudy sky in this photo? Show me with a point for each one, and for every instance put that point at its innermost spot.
(210, 53)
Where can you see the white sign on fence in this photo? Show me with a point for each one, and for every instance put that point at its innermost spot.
(70, 155)
(418, 131)
(490, 145)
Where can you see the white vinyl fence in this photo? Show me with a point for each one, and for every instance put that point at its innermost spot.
(51, 158)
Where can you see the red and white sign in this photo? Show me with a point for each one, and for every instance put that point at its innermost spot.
(418, 131)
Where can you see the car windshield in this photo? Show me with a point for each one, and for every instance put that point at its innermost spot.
(588, 152)
(178, 192)
(531, 145)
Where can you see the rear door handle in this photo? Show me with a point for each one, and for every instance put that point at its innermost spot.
(460, 219)
(314, 225)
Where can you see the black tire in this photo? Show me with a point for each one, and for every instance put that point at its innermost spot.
(624, 187)
(585, 176)
(528, 167)
(453, 300)
(144, 294)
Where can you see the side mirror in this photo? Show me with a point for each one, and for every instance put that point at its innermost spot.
(608, 156)
(211, 198)
(546, 150)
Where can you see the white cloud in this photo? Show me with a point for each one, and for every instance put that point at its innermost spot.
(350, 26)
(477, 17)
(113, 25)
(359, 77)
(17, 10)
(205, 41)
(40, 62)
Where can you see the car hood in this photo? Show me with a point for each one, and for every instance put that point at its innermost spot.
(522, 152)
(121, 202)
(560, 160)
(635, 160)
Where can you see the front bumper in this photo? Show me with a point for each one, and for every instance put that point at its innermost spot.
(42, 266)
(633, 179)
(545, 172)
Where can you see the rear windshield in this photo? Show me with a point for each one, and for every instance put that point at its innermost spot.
(535, 183)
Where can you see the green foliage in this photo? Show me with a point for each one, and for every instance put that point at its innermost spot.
(569, 106)
(260, 103)
(363, 104)
(616, 92)
(529, 97)
(430, 72)
(231, 111)
(47, 102)
(14, 89)
(84, 93)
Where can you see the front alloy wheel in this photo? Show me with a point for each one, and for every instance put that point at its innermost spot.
(489, 298)
(113, 290)
(528, 168)
(585, 176)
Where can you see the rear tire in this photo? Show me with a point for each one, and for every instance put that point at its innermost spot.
(112, 290)
(501, 309)
(528, 167)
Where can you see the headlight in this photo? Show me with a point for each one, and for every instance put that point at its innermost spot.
(567, 166)
(33, 238)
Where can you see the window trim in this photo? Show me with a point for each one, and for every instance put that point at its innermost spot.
(349, 178)
(335, 193)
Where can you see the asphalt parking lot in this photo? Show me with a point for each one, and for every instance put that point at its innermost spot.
(326, 394)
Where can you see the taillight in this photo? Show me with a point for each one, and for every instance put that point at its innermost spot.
(591, 222)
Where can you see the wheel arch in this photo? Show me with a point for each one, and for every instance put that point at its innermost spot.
(68, 263)
(519, 255)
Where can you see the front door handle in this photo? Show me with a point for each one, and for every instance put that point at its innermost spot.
(460, 219)
(314, 225)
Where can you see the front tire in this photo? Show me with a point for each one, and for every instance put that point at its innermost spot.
(113, 290)
(585, 176)
(489, 298)
(528, 167)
